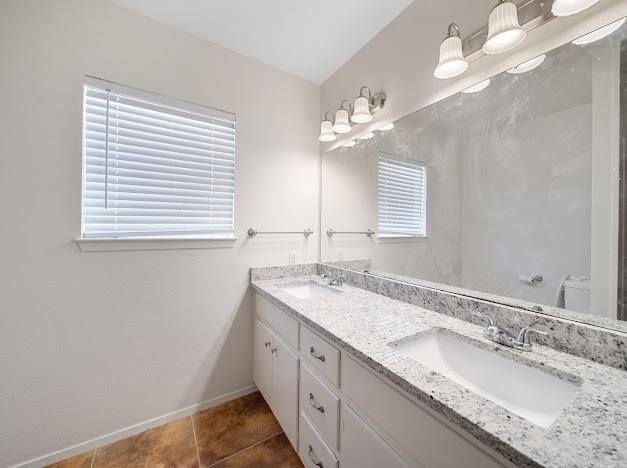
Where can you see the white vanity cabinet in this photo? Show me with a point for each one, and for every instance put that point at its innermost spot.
(422, 437)
(262, 364)
(336, 412)
(276, 375)
(284, 389)
(363, 447)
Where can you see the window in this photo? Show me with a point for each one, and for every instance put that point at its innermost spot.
(154, 167)
(402, 197)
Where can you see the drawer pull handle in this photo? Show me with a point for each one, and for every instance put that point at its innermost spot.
(312, 402)
(313, 460)
(320, 357)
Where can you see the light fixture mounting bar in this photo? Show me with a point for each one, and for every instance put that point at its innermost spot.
(531, 14)
(377, 102)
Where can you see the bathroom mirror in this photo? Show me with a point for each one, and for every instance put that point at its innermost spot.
(511, 193)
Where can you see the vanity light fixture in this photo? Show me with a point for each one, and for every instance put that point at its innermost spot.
(342, 124)
(365, 105)
(478, 87)
(366, 136)
(349, 144)
(528, 65)
(386, 127)
(599, 33)
(362, 107)
(570, 7)
(504, 31)
(452, 62)
(326, 130)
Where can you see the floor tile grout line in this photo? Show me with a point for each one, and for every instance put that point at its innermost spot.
(191, 416)
(244, 449)
(93, 458)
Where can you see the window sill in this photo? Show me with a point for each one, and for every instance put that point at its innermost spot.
(396, 239)
(112, 245)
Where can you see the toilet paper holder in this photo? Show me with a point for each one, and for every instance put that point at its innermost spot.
(531, 279)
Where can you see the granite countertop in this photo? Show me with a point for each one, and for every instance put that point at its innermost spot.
(590, 431)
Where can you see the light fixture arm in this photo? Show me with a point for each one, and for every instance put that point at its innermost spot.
(350, 107)
(453, 30)
(332, 119)
(361, 92)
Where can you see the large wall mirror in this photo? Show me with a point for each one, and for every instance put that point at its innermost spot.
(511, 193)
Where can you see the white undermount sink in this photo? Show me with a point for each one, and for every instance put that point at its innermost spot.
(526, 391)
(309, 289)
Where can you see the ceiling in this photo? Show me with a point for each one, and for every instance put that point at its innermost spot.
(309, 39)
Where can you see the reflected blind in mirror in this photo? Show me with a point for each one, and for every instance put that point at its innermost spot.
(155, 167)
(402, 197)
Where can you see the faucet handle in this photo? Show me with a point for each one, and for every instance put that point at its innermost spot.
(490, 321)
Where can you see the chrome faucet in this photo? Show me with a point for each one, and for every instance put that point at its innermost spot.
(502, 336)
(523, 342)
(333, 280)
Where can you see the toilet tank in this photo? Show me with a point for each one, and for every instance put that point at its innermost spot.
(577, 294)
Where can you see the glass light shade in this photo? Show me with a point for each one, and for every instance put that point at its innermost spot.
(570, 7)
(504, 31)
(528, 65)
(599, 33)
(478, 87)
(349, 144)
(361, 114)
(386, 127)
(452, 61)
(341, 122)
(326, 131)
(366, 136)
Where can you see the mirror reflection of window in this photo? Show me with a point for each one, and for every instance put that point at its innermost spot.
(401, 197)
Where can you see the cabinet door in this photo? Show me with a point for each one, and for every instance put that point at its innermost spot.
(262, 367)
(362, 447)
(284, 401)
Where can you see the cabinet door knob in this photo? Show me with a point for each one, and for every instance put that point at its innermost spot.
(266, 344)
(313, 353)
(313, 458)
(312, 402)
(273, 350)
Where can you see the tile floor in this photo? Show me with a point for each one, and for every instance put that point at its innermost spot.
(240, 433)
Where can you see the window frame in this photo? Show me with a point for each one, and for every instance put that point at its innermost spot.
(398, 237)
(151, 242)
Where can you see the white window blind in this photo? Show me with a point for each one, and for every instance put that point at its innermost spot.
(155, 167)
(402, 197)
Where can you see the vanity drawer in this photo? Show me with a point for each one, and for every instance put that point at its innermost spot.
(423, 436)
(285, 325)
(312, 450)
(321, 405)
(321, 355)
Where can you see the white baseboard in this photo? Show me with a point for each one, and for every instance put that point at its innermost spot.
(132, 430)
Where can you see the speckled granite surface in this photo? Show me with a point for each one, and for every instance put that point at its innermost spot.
(598, 344)
(591, 430)
(603, 322)
(283, 271)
